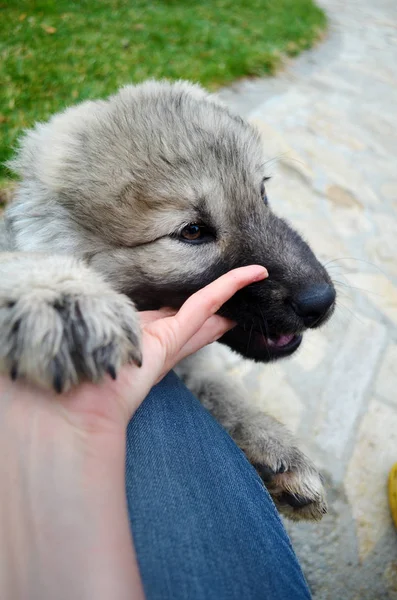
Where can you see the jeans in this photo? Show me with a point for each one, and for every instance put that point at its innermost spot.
(204, 526)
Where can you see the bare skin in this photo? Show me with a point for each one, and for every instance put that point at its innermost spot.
(64, 530)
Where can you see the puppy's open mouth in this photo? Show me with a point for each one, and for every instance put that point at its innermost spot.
(261, 346)
(276, 344)
(283, 340)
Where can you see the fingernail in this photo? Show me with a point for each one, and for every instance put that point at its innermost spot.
(261, 273)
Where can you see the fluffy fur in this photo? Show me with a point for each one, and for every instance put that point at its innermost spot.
(107, 190)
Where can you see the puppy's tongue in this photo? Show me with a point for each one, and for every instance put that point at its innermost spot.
(281, 341)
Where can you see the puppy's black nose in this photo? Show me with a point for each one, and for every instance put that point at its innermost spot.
(313, 303)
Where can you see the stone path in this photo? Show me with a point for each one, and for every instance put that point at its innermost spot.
(329, 123)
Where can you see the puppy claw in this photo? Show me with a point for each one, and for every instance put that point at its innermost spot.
(58, 384)
(58, 378)
(136, 357)
(295, 500)
(14, 372)
(266, 472)
(112, 372)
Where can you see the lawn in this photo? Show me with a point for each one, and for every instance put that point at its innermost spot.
(58, 52)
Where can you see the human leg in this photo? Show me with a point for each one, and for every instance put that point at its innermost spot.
(204, 526)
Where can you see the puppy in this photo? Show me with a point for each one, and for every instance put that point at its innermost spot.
(136, 202)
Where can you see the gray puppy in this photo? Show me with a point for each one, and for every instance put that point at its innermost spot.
(134, 203)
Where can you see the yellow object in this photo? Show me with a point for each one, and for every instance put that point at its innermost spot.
(393, 493)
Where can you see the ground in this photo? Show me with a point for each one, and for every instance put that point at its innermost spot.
(329, 123)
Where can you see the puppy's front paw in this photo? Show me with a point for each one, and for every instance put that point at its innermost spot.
(65, 326)
(294, 484)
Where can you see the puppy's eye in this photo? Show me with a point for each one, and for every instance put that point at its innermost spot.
(191, 232)
(263, 189)
(195, 233)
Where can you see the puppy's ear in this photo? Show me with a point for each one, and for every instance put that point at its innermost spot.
(164, 88)
(50, 152)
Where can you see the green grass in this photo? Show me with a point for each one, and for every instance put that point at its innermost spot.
(58, 52)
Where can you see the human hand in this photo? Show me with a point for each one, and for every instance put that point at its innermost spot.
(167, 337)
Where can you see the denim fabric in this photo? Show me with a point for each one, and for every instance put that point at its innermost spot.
(204, 526)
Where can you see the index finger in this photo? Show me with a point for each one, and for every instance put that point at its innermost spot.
(206, 302)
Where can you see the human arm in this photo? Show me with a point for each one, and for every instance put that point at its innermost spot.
(64, 530)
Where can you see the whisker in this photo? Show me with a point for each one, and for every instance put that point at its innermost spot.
(267, 349)
(249, 338)
(282, 155)
(334, 267)
(344, 294)
(291, 158)
(271, 160)
(357, 260)
(350, 311)
(266, 330)
(354, 287)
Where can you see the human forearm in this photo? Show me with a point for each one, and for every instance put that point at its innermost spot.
(64, 530)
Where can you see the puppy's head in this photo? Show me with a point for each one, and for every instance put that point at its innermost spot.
(162, 189)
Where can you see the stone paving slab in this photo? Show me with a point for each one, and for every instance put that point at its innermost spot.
(329, 124)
